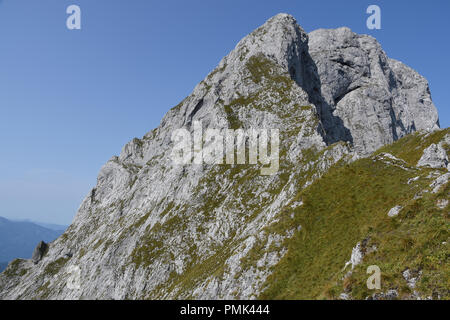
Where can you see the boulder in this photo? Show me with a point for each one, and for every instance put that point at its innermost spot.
(39, 252)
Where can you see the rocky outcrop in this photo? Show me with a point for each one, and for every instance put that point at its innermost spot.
(39, 252)
(437, 184)
(389, 295)
(435, 157)
(154, 229)
(367, 98)
(394, 211)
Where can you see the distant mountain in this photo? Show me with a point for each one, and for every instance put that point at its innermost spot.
(51, 226)
(18, 239)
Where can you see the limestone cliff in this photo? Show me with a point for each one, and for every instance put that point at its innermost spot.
(151, 229)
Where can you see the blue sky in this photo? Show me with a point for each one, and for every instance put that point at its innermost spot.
(70, 99)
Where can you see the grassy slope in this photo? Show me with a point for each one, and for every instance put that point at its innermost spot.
(350, 203)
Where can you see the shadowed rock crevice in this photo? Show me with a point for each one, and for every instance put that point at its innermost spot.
(333, 128)
(365, 97)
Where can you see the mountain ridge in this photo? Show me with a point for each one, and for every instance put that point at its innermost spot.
(18, 238)
(154, 230)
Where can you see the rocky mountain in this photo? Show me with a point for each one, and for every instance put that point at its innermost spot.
(18, 239)
(359, 136)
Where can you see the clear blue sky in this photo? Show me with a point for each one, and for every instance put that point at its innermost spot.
(69, 100)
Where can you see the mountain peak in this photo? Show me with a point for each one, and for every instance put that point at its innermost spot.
(280, 38)
(155, 229)
(282, 20)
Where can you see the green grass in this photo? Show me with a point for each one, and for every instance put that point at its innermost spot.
(410, 148)
(43, 292)
(345, 206)
(151, 246)
(414, 240)
(14, 269)
(54, 267)
(273, 82)
(263, 69)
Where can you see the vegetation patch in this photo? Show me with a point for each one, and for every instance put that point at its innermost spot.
(14, 269)
(275, 86)
(344, 207)
(410, 148)
(417, 241)
(54, 267)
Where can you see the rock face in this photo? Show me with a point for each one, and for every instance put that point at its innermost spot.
(394, 211)
(153, 229)
(435, 156)
(39, 252)
(367, 98)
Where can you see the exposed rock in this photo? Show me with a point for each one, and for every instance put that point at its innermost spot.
(413, 179)
(358, 253)
(442, 203)
(367, 98)
(390, 159)
(439, 182)
(434, 174)
(356, 257)
(434, 156)
(411, 277)
(39, 252)
(297, 204)
(344, 296)
(395, 211)
(154, 229)
(389, 295)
